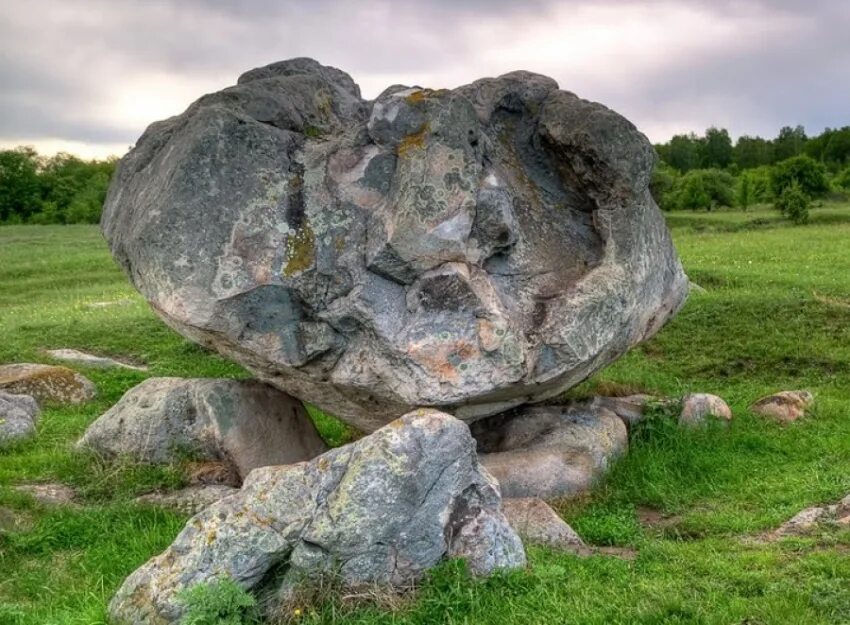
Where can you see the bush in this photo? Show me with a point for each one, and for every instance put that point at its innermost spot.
(802, 170)
(662, 184)
(219, 603)
(842, 180)
(793, 202)
(704, 188)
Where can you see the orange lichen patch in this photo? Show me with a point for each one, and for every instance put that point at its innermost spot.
(415, 141)
(445, 359)
(300, 251)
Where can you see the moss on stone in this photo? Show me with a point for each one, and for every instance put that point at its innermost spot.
(300, 251)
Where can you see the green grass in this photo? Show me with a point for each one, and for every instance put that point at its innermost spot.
(776, 316)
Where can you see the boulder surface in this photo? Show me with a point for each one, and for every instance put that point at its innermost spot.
(46, 383)
(18, 416)
(550, 451)
(470, 249)
(244, 423)
(381, 510)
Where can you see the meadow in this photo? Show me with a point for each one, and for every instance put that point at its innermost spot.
(775, 315)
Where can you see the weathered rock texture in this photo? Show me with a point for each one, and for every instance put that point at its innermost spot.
(189, 500)
(784, 406)
(18, 416)
(244, 423)
(699, 408)
(472, 249)
(380, 510)
(537, 523)
(46, 383)
(90, 360)
(550, 451)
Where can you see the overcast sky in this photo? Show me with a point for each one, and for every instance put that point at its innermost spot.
(87, 76)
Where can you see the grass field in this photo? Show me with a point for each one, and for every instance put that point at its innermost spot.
(776, 315)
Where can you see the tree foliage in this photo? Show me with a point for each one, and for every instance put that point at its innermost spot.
(803, 171)
(59, 189)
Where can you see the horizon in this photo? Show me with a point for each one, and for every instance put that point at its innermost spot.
(87, 76)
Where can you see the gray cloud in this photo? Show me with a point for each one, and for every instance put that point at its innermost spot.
(89, 70)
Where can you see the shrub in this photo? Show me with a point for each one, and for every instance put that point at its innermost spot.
(662, 184)
(704, 188)
(802, 170)
(842, 180)
(793, 202)
(219, 603)
(745, 191)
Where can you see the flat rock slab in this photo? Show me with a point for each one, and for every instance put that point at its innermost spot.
(539, 524)
(806, 521)
(381, 510)
(90, 360)
(785, 406)
(18, 417)
(52, 494)
(46, 383)
(190, 500)
(244, 423)
(550, 451)
(470, 249)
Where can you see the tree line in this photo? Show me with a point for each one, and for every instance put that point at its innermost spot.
(61, 189)
(789, 171)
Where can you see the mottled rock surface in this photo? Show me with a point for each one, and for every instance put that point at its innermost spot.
(189, 500)
(380, 510)
(46, 383)
(244, 423)
(50, 494)
(550, 451)
(698, 408)
(537, 523)
(472, 249)
(784, 406)
(807, 520)
(18, 416)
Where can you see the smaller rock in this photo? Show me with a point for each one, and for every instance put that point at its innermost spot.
(697, 408)
(695, 289)
(550, 451)
(807, 520)
(108, 304)
(52, 494)
(785, 406)
(46, 383)
(243, 423)
(18, 416)
(537, 523)
(90, 360)
(189, 500)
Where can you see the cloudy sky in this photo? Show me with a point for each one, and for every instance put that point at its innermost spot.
(87, 76)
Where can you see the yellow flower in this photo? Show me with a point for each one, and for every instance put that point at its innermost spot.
(297, 612)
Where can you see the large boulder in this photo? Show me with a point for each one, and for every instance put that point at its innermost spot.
(381, 510)
(46, 383)
(243, 423)
(470, 249)
(18, 417)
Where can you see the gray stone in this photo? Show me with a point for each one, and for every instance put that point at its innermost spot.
(698, 408)
(537, 523)
(50, 494)
(631, 408)
(18, 417)
(46, 383)
(245, 423)
(90, 360)
(784, 406)
(471, 250)
(807, 520)
(550, 451)
(381, 510)
(189, 500)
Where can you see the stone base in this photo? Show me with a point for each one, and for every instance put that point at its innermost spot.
(550, 451)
